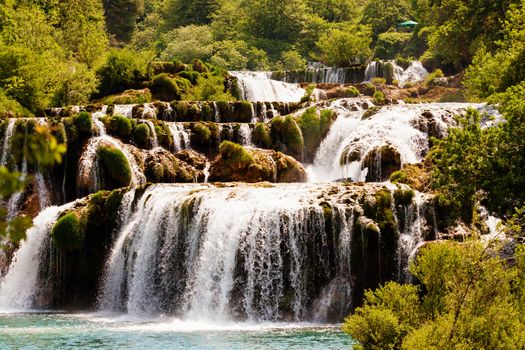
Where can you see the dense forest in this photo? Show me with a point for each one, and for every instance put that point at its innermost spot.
(464, 292)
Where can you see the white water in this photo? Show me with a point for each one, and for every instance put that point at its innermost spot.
(152, 131)
(258, 86)
(224, 223)
(181, 136)
(6, 148)
(245, 135)
(125, 110)
(18, 287)
(99, 126)
(413, 74)
(401, 127)
(88, 176)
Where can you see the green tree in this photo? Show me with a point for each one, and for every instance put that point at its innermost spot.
(188, 43)
(381, 15)
(180, 13)
(343, 47)
(121, 17)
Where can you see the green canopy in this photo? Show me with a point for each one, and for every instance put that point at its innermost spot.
(408, 24)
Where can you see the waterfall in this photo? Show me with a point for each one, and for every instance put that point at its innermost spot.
(245, 135)
(181, 137)
(413, 74)
(258, 86)
(18, 288)
(88, 175)
(99, 126)
(6, 148)
(125, 110)
(360, 146)
(217, 253)
(153, 132)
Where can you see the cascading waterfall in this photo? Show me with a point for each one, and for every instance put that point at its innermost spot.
(413, 74)
(359, 147)
(125, 110)
(258, 86)
(181, 137)
(18, 288)
(153, 132)
(231, 241)
(99, 126)
(88, 168)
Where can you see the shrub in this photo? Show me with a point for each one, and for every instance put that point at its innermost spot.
(129, 97)
(201, 133)
(391, 44)
(234, 153)
(164, 88)
(67, 233)
(115, 167)
(191, 76)
(141, 135)
(438, 73)
(199, 66)
(120, 126)
(124, 69)
(83, 122)
(308, 94)
(370, 89)
(379, 97)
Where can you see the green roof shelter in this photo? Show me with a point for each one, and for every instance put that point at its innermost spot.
(408, 24)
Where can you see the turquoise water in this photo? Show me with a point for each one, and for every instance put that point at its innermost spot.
(92, 331)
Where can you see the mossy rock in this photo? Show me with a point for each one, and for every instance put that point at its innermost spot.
(116, 170)
(261, 135)
(164, 136)
(201, 135)
(120, 126)
(83, 122)
(287, 136)
(404, 196)
(414, 175)
(67, 233)
(234, 153)
(142, 135)
(164, 88)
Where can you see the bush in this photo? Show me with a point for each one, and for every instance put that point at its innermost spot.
(115, 167)
(124, 69)
(438, 73)
(141, 135)
(164, 88)
(83, 122)
(120, 126)
(292, 60)
(191, 76)
(9, 106)
(392, 44)
(342, 47)
(209, 89)
(234, 153)
(129, 97)
(379, 97)
(67, 233)
(201, 133)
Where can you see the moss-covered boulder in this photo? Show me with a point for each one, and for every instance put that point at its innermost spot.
(417, 176)
(114, 167)
(141, 135)
(120, 126)
(382, 162)
(67, 233)
(237, 163)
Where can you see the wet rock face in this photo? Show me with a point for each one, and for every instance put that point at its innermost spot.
(236, 163)
(162, 166)
(381, 163)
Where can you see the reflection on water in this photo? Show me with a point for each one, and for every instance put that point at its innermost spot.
(98, 331)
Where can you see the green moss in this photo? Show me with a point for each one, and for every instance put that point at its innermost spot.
(67, 233)
(327, 210)
(83, 122)
(165, 88)
(370, 89)
(164, 135)
(115, 167)
(379, 97)
(120, 126)
(141, 135)
(403, 196)
(352, 92)
(261, 135)
(234, 153)
(202, 133)
(327, 119)
(199, 66)
(192, 76)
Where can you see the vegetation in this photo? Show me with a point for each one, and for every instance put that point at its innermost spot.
(115, 167)
(467, 297)
(233, 153)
